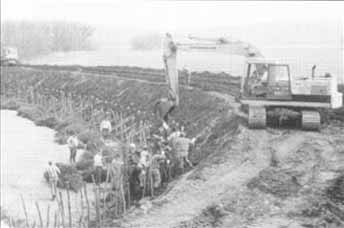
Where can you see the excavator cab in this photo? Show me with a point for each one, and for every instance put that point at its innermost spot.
(266, 81)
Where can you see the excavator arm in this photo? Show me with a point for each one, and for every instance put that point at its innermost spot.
(227, 46)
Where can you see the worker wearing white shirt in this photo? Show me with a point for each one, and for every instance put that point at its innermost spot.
(105, 126)
(53, 173)
(143, 165)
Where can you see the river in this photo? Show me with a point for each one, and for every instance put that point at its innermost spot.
(25, 152)
(301, 58)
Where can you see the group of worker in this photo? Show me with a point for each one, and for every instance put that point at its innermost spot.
(164, 156)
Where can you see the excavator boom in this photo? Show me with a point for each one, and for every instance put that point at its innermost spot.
(227, 46)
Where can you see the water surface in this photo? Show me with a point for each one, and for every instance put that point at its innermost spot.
(25, 152)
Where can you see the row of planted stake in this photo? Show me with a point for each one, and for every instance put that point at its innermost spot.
(60, 218)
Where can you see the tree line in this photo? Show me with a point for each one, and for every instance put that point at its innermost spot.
(39, 38)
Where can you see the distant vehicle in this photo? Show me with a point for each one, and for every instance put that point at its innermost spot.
(9, 56)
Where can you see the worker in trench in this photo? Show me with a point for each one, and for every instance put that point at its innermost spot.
(155, 162)
(53, 175)
(98, 165)
(134, 172)
(116, 175)
(143, 165)
(181, 146)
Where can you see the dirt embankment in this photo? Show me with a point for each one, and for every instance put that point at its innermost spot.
(196, 110)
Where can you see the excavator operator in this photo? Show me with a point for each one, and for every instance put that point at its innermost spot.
(259, 79)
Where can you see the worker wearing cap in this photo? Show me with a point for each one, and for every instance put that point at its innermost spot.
(53, 174)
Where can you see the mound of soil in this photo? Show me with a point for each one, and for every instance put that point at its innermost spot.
(276, 182)
(335, 191)
(211, 216)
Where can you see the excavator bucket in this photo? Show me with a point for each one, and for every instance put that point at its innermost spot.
(163, 108)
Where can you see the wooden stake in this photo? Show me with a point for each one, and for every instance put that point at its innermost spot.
(62, 210)
(88, 205)
(69, 207)
(55, 219)
(25, 212)
(39, 215)
(82, 208)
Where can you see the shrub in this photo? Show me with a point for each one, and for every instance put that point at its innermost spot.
(69, 177)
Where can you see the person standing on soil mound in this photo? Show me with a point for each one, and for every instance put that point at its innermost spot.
(73, 144)
(53, 174)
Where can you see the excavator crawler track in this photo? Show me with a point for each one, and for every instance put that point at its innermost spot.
(311, 120)
(256, 117)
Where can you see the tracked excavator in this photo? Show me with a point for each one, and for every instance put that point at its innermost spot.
(266, 85)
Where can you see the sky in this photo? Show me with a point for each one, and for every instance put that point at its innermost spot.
(170, 15)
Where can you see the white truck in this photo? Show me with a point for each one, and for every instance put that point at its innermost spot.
(9, 56)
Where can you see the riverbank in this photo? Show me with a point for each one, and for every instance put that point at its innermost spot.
(22, 166)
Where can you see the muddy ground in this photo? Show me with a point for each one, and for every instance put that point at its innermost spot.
(243, 178)
(258, 178)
